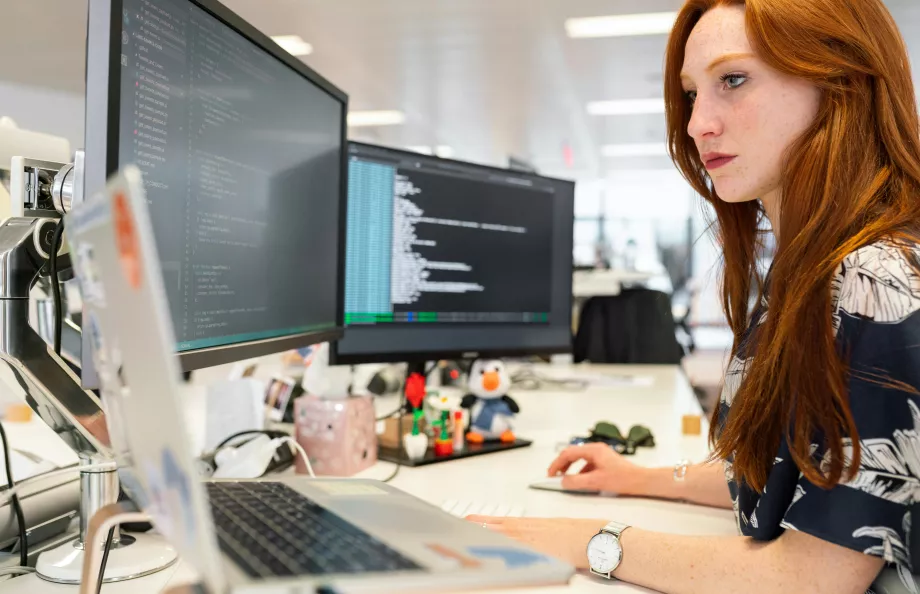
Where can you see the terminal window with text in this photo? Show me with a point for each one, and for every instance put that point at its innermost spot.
(445, 244)
(241, 157)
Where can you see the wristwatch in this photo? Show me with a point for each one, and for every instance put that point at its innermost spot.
(604, 550)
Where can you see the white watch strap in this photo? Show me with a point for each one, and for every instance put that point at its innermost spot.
(615, 528)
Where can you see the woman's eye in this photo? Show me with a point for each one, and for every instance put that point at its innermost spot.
(691, 95)
(733, 81)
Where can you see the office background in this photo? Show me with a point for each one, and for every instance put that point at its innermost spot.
(479, 80)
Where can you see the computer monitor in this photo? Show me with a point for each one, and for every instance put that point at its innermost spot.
(243, 153)
(448, 260)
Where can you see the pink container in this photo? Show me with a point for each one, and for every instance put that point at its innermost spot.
(339, 435)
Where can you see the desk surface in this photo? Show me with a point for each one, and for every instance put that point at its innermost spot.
(549, 418)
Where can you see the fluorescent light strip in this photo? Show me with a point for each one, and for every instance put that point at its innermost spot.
(293, 44)
(649, 149)
(626, 107)
(653, 23)
(359, 119)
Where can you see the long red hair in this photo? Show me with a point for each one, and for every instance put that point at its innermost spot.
(853, 178)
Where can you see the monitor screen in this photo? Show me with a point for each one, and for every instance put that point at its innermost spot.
(242, 152)
(449, 259)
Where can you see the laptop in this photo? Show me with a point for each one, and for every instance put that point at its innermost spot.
(286, 534)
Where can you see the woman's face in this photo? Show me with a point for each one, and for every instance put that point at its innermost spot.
(745, 114)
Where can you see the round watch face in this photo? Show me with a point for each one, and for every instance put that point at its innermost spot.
(604, 553)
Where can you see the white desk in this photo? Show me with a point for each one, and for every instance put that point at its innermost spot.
(548, 418)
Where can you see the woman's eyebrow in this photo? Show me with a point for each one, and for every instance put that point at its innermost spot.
(728, 58)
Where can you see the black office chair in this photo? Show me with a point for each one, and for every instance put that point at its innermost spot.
(636, 327)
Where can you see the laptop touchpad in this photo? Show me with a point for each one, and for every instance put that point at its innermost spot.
(401, 514)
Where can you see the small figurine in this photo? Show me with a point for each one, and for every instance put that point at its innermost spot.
(491, 407)
(436, 403)
(442, 405)
(443, 445)
(415, 443)
(415, 391)
(459, 441)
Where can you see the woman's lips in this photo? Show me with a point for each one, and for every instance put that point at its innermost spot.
(716, 161)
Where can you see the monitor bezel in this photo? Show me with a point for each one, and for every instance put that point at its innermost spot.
(103, 90)
(338, 358)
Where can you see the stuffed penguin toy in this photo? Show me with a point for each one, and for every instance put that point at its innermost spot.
(491, 409)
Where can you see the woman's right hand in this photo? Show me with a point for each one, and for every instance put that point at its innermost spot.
(604, 470)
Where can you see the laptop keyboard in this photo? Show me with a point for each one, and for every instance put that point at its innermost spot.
(271, 530)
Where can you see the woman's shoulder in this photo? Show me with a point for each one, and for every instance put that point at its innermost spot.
(883, 254)
(879, 282)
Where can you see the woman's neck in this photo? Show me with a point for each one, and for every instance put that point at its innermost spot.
(771, 205)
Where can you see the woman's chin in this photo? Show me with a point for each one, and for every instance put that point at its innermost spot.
(727, 192)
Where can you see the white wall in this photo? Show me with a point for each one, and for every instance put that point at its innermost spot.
(42, 110)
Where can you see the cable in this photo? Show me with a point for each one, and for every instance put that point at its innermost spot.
(300, 450)
(17, 507)
(56, 286)
(105, 558)
(243, 434)
(400, 447)
(528, 378)
(16, 571)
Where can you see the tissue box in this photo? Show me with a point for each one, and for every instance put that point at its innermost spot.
(339, 436)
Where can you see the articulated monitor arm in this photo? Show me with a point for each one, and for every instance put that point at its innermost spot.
(50, 387)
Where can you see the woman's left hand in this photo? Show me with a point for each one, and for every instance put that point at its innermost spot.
(565, 539)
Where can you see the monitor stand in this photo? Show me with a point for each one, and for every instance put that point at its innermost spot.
(398, 454)
(53, 391)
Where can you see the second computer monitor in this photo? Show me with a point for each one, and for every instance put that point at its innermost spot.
(447, 259)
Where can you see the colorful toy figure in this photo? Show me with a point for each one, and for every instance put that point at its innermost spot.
(442, 405)
(443, 444)
(415, 443)
(492, 410)
(415, 391)
(458, 437)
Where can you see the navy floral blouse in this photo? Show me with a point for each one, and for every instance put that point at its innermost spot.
(876, 305)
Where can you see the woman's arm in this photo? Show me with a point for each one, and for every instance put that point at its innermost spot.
(795, 562)
(675, 564)
(605, 470)
(704, 484)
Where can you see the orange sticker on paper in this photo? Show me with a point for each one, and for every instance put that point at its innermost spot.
(129, 251)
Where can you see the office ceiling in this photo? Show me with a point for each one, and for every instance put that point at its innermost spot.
(489, 78)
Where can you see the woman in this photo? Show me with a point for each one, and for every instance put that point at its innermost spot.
(801, 112)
